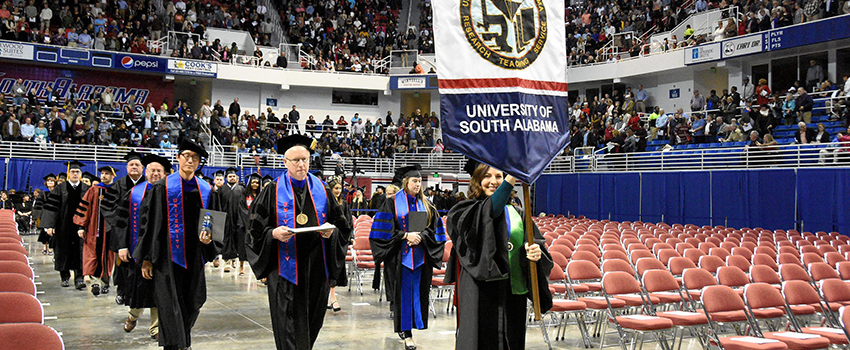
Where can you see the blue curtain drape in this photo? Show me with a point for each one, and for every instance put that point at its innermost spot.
(771, 198)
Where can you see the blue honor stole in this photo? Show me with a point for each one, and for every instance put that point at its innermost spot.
(176, 226)
(137, 194)
(287, 251)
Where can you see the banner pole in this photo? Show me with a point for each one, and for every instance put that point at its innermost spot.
(529, 237)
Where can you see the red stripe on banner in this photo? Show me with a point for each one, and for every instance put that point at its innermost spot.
(501, 83)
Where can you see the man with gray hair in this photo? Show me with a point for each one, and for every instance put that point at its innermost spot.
(804, 134)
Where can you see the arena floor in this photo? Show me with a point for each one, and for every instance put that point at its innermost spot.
(236, 316)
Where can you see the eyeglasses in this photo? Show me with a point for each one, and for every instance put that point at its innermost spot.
(301, 160)
(194, 157)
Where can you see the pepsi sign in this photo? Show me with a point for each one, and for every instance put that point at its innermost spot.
(140, 63)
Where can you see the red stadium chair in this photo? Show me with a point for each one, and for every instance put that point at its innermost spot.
(621, 285)
(766, 260)
(765, 303)
(26, 336)
(738, 261)
(723, 306)
(764, 274)
(16, 267)
(820, 271)
(13, 247)
(20, 308)
(15, 282)
(711, 263)
(733, 277)
(8, 255)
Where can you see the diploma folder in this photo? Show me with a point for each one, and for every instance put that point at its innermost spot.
(418, 221)
(218, 219)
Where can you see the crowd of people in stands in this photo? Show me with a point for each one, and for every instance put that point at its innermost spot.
(750, 115)
(594, 24)
(104, 122)
(357, 137)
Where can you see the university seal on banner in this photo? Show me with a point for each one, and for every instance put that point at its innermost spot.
(509, 34)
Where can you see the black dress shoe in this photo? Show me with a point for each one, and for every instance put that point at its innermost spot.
(95, 289)
(335, 306)
(119, 300)
(409, 344)
(104, 289)
(65, 283)
(80, 285)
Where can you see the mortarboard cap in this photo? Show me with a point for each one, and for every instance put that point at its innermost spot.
(267, 178)
(231, 170)
(188, 145)
(255, 176)
(285, 143)
(74, 164)
(155, 158)
(470, 166)
(49, 176)
(62, 175)
(405, 172)
(133, 155)
(106, 168)
(90, 176)
(218, 173)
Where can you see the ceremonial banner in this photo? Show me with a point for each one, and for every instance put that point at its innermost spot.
(502, 75)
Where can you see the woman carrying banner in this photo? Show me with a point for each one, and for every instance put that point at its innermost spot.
(492, 259)
(408, 255)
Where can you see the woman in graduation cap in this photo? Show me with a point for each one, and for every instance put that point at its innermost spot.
(173, 249)
(408, 253)
(493, 256)
(38, 207)
(343, 240)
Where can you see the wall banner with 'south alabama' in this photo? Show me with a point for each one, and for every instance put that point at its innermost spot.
(503, 82)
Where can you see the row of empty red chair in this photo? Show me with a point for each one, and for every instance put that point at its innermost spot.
(671, 281)
(22, 319)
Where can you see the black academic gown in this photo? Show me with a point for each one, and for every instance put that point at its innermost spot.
(59, 211)
(37, 209)
(297, 311)
(179, 292)
(343, 240)
(489, 315)
(388, 250)
(137, 292)
(235, 227)
(114, 209)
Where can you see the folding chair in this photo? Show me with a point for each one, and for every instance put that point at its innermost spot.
(8, 255)
(762, 296)
(723, 306)
(621, 285)
(803, 293)
(821, 270)
(788, 258)
(20, 308)
(15, 282)
(16, 267)
(662, 284)
(738, 261)
(766, 260)
(721, 253)
(694, 280)
(764, 274)
(733, 277)
(25, 336)
(793, 272)
(711, 263)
